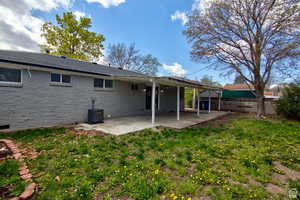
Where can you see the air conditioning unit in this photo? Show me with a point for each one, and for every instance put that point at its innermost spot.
(95, 116)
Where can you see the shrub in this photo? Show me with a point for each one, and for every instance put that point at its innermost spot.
(289, 104)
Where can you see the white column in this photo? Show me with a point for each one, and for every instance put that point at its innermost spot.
(153, 103)
(209, 102)
(158, 93)
(178, 103)
(194, 98)
(220, 96)
(198, 104)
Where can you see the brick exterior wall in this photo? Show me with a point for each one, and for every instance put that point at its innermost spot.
(39, 104)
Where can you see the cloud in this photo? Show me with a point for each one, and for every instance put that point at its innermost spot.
(201, 4)
(79, 14)
(107, 3)
(176, 69)
(180, 16)
(19, 29)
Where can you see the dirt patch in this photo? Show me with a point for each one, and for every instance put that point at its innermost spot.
(84, 132)
(112, 194)
(274, 189)
(238, 183)
(289, 173)
(280, 179)
(218, 122)
(5, 192)
(252, 181)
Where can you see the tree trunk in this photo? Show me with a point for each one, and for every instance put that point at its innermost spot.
(260, 103)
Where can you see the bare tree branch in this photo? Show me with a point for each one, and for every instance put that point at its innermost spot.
(253, 38)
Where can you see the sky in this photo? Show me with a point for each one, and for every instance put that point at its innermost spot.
(154, 26)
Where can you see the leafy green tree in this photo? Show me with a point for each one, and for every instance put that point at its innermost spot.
(72, 38)
(289, 104)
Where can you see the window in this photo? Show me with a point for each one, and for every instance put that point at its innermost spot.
(10, 75)
(3, 127)
(60, 78)
(66, 78)
(108, 84)
(134, 86)
(98, 83)
(101, 83)
(55, 77)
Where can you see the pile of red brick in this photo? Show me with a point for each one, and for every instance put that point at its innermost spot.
(23, 170)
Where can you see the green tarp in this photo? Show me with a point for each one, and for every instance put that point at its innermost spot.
(238, 94)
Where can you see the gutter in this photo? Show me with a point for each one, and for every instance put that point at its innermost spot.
(50, 67)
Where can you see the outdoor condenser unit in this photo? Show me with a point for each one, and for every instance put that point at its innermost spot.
(95, 116)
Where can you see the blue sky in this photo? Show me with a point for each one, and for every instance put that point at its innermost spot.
(147, 23)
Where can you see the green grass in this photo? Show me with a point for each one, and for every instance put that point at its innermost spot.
(171, 164)
(9, 177)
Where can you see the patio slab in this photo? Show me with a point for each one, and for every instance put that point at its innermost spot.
(124, 125)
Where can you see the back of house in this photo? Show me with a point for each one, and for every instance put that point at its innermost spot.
(41, 90)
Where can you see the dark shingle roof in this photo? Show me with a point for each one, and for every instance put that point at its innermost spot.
(56, 62)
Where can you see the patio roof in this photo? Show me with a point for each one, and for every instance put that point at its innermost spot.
(170, 81)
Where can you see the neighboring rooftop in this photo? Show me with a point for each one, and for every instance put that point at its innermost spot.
(238, 87)
(63, 63)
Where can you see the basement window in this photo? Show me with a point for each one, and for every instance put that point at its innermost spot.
(3, 127)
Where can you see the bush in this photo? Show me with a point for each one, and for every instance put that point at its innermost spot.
(188, 97)
(289, 104)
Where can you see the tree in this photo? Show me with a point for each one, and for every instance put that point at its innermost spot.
(147, 64)
(72, 38)
(129, 58)
(239, 80)
(289, 104)
(253, 38)
(209, 80)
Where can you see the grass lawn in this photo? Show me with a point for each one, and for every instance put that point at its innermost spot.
(234, 160)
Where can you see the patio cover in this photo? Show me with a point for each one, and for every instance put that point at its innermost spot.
(169, 81)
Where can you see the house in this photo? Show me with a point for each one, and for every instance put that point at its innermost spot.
(41, 90)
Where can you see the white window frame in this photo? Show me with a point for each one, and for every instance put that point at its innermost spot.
(8, 83)
(60, 78)
(104, 86)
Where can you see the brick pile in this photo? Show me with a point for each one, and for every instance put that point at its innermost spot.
(23, 170)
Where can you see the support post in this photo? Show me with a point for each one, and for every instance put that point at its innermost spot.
(158, 98)
(178, 103)
(153, 102)
(198, 104)
(209, 102)
(194, 98)
(220, 97)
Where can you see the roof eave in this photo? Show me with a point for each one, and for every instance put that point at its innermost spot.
(50, 67)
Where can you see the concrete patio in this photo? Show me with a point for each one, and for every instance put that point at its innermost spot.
(124, 125)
